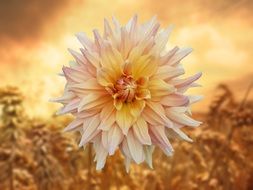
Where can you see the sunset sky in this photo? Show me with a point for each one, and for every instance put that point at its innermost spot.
(35, 35)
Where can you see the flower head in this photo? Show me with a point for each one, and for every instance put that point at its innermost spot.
(124, 91)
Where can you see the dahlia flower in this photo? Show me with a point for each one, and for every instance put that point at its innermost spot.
(124, 92)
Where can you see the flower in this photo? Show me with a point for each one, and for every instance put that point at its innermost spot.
(124, 91)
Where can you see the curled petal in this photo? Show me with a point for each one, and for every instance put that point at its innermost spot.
(175, 100)
(179, 117)
(159, 137)
(167, 72)
(180, 83)
(179, 55)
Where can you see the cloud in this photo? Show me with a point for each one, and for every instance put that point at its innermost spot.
(25, 19)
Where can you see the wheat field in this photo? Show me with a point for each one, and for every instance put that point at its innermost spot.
(36, 155)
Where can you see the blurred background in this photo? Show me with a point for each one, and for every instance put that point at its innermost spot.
(35, 154)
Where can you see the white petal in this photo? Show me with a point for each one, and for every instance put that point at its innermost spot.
(90, 129)
(175, 132)
(125, 149)
(74, 124)
(181, 118)
(101, 154)
(181, 83)
(195, 98)
(127, 164)
(70, 107)
(175, 99)
(179, 55)
(135, 148)
(92, 100)
(140, 129)
(80, 59)
(85, 41)
(162, 39)
(115, 137)
(159, 137)
(105, 139)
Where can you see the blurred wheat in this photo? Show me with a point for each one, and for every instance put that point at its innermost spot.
(36, 155)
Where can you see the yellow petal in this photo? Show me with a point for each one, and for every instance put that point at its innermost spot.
(112, 59)
(106, 76)
(159, 88)
(145, 66)
(136, 108)
(124, 118)
(117, 103)
(143, 94)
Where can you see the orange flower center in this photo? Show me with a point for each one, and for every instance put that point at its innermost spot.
(125, 88)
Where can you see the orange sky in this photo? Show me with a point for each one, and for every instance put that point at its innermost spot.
(35, 35)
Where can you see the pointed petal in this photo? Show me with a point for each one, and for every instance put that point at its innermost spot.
(145, 66)
(92, 57)
(179, 55)
(85, 41)
(165, 59)
(194, 98)
(115, 137)
(175, 115)
(127, 164)
(135, 148)
(158, 136)
(70, 107)
(88, 85)
(136, 108)
(80, 59)
(92, 100)
(148, 151)
(107, 116)
(167, 72)
(159, 110)
(175, 99)
(125, 149)
(74, 125)
(90, 129)
(181, 83)
(124, 118)
(106, 77)
(159, 88)
(152, 117)
(140, 129)
(101, 154)
(175, 132)
(67, 97)
(162, 39)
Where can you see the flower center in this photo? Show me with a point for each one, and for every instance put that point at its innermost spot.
(125, 88)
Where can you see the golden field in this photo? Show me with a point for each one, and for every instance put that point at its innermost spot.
(36, 154)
